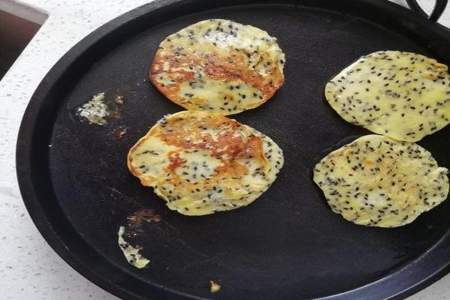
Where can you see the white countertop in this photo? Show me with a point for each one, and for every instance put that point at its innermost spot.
(29, 268)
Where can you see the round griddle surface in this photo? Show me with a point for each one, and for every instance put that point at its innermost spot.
(288, 244)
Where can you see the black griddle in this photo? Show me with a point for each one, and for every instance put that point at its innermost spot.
(288, 244)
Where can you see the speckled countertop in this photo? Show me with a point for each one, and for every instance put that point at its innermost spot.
(29, 268)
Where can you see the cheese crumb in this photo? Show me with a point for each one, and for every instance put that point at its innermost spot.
(131, 253)
(214, 286)
(95, 110)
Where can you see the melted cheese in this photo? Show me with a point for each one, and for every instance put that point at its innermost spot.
(219, 66)
(403, 95)
(202, 163)
(377, 181)
(216, 96)
(154, 151)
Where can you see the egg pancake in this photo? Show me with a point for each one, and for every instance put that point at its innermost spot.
(378, 181)
(403, 95)
(201, 162)
(218, 66)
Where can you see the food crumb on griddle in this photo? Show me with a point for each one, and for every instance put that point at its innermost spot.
(95, 111)
(101, 108)
(119, 99)
(131, 253)
(120, 132)
(146, 214)
(214, 287)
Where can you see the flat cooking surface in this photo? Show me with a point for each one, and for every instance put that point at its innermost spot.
(288, 244)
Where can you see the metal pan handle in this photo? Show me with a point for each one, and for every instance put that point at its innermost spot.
(439, 7)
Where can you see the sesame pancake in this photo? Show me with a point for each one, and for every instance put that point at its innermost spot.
(381, 182)
(201, 162)
(403, 95)
(218, 66)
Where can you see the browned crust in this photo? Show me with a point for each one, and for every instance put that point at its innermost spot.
(236, 147)
(215, 66)
(145, 181)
